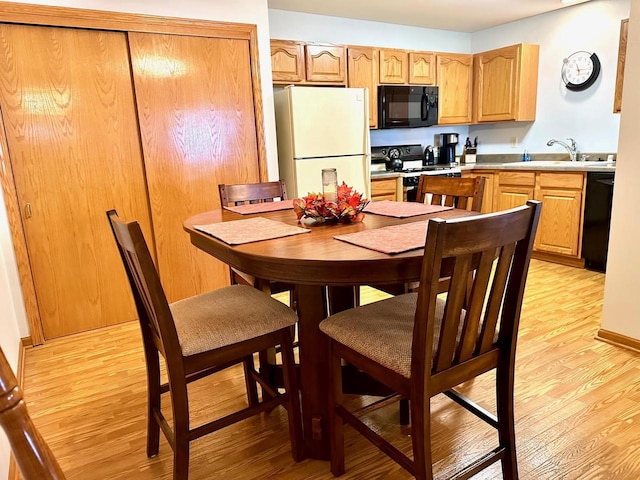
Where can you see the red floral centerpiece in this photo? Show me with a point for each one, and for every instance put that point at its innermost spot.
(346, 209)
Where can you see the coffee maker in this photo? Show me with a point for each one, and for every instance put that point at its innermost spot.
(448, 142)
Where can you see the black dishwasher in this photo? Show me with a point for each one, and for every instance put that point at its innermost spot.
(597, 219)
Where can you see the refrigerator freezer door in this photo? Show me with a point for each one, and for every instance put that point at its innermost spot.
(329, 121)
(353, 170)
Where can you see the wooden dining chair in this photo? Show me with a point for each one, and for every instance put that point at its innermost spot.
(199, 336)
(465, 193)
(420, 345)
(249, 193)
(33, 457)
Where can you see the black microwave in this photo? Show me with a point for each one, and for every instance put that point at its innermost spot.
(407, 106)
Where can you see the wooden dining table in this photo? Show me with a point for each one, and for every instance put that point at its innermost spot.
(324, 270)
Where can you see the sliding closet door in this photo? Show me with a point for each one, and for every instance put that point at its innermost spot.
(69, 114)
(197, 122)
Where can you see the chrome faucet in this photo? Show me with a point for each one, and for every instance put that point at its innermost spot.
(573, 150)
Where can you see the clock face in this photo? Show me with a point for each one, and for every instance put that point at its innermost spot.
(580, 70)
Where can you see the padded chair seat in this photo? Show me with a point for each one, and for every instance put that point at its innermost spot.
(366, 330)
(226, 316)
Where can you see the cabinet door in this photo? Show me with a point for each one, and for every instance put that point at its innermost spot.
(489, 185)
(497, 84)
(71, 127)
(326, 63)
(393, 66)
(384, 189)
(559, 228)
(363, 73)
(287, 61)
(511, 196)
(198, 129)
(422, 68)
(454, 73)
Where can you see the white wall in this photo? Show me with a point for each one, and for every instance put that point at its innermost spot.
(586, 116)
(621, 313)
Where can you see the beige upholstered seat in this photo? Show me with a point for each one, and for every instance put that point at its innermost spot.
(200, 336)
(223, 317)
(365, 330)
(419, 345)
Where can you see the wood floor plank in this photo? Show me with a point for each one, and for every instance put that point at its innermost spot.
(577, 405)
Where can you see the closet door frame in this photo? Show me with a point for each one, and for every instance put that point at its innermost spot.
(30, 14)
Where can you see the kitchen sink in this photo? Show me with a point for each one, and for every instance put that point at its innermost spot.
(567, 164)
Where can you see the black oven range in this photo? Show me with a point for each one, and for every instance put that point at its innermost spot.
(410, 161)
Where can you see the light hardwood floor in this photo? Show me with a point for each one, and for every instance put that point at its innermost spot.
(577, 405)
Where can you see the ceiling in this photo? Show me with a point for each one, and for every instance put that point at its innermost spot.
(457, 15)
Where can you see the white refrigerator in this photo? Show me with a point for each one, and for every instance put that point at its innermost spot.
(323, 127)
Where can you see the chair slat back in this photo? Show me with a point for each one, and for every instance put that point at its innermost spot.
(464, 193)
(244, 193)
(483, 316)
(151, 302)
(33, 456)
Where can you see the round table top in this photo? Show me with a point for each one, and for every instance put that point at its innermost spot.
(315, 258)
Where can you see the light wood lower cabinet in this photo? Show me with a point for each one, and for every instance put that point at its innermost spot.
(489, 188)
(559, 228)
(386, 189)
(562, 196)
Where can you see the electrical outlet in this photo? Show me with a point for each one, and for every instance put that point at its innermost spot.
(514, 142)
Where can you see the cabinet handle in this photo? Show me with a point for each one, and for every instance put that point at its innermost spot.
(27, 210)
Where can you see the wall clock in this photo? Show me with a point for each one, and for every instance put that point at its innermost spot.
(580, 70)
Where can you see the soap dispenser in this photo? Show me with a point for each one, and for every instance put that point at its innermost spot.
(525, 156)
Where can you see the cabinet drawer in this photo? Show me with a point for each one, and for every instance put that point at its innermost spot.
(385, 186)
(561, 180)
(517, 178)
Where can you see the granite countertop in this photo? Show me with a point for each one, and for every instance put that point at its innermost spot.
(557, 166)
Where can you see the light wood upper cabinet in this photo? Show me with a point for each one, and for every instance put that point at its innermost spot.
(622, 55)
(362, 72)
(312, 63)
(422, 68)
(287, 61)
(506, 84)
(455, 75)
(325, 63)
(394, 66)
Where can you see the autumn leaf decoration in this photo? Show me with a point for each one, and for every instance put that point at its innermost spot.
(346, 209)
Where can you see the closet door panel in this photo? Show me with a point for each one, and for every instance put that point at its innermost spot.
(197, 123)
(70, 121)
